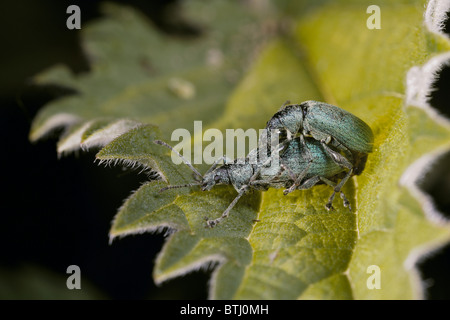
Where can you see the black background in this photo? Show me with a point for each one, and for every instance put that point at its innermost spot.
(57, 212)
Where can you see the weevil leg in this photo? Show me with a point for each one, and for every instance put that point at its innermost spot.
(215, 222)
(311, 182)
(298, 180)
(274, 155)
(347, 153)
(337, 188)
(305, 147)
(214, 165)
(280, 147)
(286, 168)
(260, 185)
(266, 184)
(287, 102)
(337, 157)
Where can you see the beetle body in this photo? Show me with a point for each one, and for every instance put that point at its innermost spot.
(313, 161)
(321, 120)
(338, 129)
(319, 143)
(301, 165)
(294, 161)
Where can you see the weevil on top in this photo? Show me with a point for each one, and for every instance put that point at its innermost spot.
(318, 144)
(346, 138)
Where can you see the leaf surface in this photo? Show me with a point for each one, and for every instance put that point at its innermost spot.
(272, 246)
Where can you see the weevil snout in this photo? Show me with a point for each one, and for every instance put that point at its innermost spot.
(206, 185)
(274, 123)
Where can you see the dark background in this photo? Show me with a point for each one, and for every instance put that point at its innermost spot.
(55, 213)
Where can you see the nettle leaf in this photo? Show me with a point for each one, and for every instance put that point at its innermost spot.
(272, 246)
(145, 76)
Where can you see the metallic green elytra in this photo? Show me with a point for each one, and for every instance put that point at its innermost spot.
(339, 131)
(299, 163)
(321, 120)
(310, 162)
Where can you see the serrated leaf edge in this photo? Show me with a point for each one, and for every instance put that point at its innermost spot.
(420, 81)
(168, 228)
(435, 16)
(208, 262)
(63, 120)
(105, 135)
(411, 177)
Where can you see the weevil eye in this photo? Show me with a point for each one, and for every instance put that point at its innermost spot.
(216, 178)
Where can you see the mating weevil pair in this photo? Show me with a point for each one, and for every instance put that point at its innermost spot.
(319, 143)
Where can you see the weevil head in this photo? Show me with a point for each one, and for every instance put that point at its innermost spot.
(360, 162)
(289, 119)
(217, 176)
(274, 123)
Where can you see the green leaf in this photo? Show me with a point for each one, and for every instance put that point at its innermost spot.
(143, 75)
(272, 246)
(367, 78)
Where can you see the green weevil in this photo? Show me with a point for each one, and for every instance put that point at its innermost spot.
(301, 164)
(345, 137)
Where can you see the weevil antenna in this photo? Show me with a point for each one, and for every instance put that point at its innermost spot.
(182, 158)
(179, 186)
(216, 163)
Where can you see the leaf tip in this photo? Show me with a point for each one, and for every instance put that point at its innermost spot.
(56, 121)
(413, 175)
(205, 263)
(420, 84)
(436, 14)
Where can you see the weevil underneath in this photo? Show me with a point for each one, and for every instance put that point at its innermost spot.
(298, 164)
